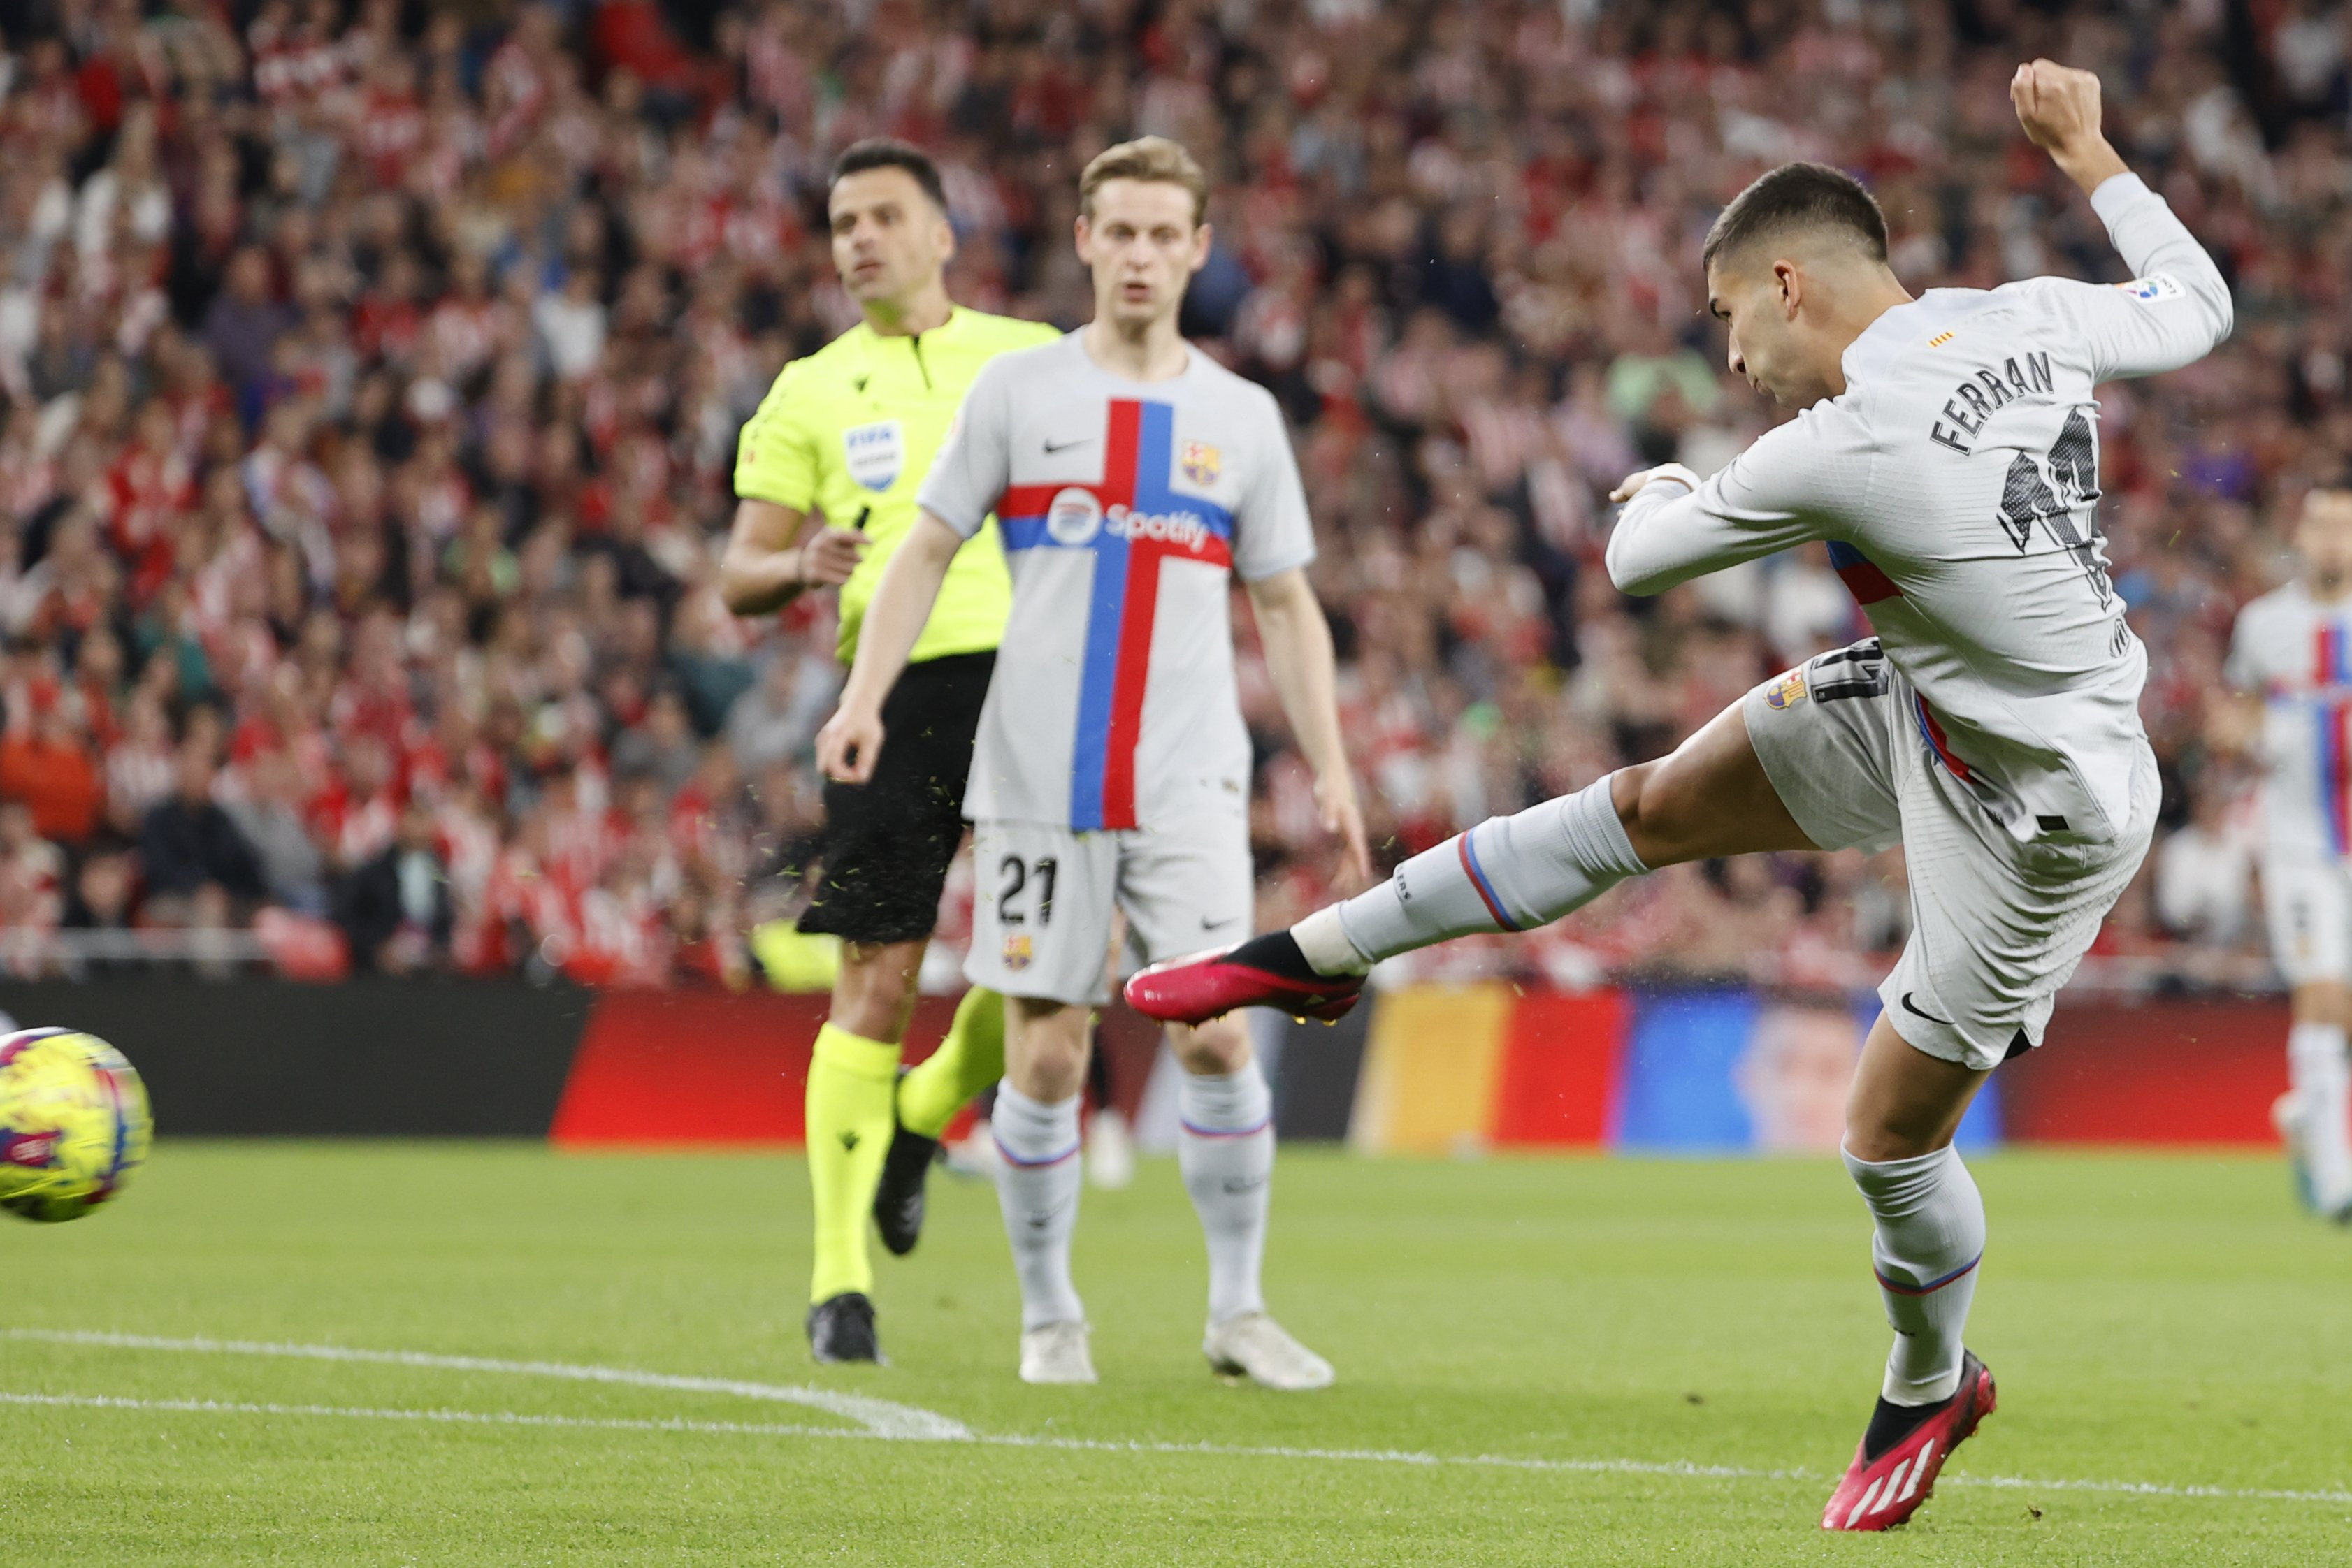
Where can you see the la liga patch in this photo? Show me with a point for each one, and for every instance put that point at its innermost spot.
(2155, 286)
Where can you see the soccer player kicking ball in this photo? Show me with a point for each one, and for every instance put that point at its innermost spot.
(1947, 450)
(2291, 659)
(1132, 476)
(849, 433)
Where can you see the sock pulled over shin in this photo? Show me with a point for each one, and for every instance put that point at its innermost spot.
(850, 1116)
(1037, 1186)
(968, 1060)
(1928, 1235)
(1226, 1149)
(1508, 873)
(2322, 1080)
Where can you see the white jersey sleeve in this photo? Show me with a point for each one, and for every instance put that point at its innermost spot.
(1272, 530)
(2172, 312)
(1796, 483)
(973, 467)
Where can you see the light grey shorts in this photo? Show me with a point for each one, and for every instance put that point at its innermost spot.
(1997, 925)
(1041, 911)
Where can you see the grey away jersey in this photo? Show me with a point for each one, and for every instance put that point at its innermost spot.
(2296, 651)
(1955, 482)
(1125, 507)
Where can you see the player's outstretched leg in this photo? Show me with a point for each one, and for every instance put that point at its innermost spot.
(1928, 1238)
(2315, 1113)
(968, 1060)
(1038, 1178)
(1710, 798)
(1224, 1146)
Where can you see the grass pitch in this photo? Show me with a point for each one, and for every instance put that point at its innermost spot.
(1634, 1356)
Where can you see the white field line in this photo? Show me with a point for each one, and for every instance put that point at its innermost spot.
(883, 1417)
(882, 1420)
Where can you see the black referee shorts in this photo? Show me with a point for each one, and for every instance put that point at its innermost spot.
(887, 843)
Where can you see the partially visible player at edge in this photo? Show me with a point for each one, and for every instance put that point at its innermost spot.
(847, 434)
(1947, 450)
(2291, 659)
(1134, 477)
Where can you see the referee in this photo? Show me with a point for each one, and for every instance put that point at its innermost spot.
(847, 435)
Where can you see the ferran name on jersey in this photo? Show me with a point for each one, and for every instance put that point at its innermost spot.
(1018, 950)
(874, 454)
(1786, 692)
(1202, 463)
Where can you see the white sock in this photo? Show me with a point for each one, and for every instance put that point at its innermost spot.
(1930, 1235)
(1037, 1184)
(1226, 1152)
(1508, 873)
(2322, 1080)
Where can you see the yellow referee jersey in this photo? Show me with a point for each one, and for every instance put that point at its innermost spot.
(851, 430)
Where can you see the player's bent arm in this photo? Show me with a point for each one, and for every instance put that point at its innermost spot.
(1673, 528)
(852, 739)
(2182, 307)
(1299, 656)
(763, 567)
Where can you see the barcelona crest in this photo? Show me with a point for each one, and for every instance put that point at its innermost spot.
(1017, 951)
(1202, 462)
(1786, 692)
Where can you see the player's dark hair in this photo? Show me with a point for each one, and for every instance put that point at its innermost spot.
(1798, 196)
(888, 152)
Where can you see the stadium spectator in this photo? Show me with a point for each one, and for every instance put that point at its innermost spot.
(191, 857)
(397, 911)
(45, 764)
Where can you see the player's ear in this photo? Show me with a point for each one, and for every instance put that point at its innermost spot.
(1082, 236)
(1203, 237)
(1789, 282)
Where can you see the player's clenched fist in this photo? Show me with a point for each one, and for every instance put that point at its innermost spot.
(2059, 108)
(848, 744)
(2058, 105)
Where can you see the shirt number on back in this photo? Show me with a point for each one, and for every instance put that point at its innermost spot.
(2061, 493)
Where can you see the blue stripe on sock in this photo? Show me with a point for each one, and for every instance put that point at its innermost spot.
(1495, 905)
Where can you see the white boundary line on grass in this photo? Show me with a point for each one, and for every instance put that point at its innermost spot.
(882, 1418)
(886, 1421)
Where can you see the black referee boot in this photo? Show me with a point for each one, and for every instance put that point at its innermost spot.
(898, 1195)
(841, 1329)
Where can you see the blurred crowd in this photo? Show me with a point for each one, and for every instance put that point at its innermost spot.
(371, 374)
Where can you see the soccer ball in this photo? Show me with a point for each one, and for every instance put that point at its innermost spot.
(73, 1123)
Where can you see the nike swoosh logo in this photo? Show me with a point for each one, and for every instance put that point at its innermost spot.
(1209, 924)
(1054, 446)
(1909, 1007)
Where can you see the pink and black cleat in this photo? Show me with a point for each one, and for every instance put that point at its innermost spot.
(1884, 1489)
(1266, 971)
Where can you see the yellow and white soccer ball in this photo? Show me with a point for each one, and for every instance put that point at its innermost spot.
(73, 1123)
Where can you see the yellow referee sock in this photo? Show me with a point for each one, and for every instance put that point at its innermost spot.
(850, 1085)
(968, 1060)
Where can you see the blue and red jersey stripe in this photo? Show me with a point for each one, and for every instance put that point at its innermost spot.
(1123, 603)
(1861, 576)
(2332, 674)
